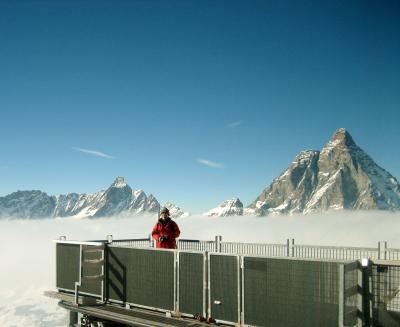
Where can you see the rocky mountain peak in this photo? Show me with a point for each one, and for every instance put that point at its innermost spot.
(175, 211)
(342, 137)
(119, 182)
(340, 176)
(231, 207)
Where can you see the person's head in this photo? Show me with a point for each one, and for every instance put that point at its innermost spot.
(164, 213)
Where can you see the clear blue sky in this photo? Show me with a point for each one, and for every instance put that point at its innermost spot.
(158, 85)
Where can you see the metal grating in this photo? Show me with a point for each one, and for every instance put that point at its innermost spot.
(351, 293)
(91, 286)
(386, 295)
(224, 287)
(142, 277)
(191, 283)
(67, 257)
(285, 292)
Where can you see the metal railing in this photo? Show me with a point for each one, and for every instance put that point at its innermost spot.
(267, 250)
(197, 245)
(334, 252)
(288, 249)
(368, 290)
(134, 243)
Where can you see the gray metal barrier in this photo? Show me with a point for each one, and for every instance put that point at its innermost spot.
(191, 285)
(142, 277)
(238, 288)
(385, 293)
(289, 292)
(224, 287)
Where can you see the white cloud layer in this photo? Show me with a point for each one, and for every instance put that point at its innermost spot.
(210, 163)
(28, 253)
(94, 153)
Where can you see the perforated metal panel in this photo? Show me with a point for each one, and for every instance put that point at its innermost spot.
(141, 276)
(385, 295)
(224, 287)
(191, 283)
(68, 260)
(67, 263)
(284, 292)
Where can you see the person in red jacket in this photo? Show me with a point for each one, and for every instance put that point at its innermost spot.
(165, 231)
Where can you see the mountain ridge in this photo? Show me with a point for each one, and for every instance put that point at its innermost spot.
(118, 199)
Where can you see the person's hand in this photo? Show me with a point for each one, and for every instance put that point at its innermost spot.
(163, 239)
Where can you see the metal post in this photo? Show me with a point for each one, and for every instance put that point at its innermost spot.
(364, 304)
(288, 247)
(205, 283)
(176, 281)
(218, 240)
(72, 319)
(109, 239)
(360, 295)
(341, 295)
(379, 250)
(292, 243)
(243, 288)
(385, 251)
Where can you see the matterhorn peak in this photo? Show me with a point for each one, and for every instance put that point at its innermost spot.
(342, 176)
(342, 136)
(119, 182)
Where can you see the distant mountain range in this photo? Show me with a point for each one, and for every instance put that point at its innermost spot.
(340, 176)
(118, 199)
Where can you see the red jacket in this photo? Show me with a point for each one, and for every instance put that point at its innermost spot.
(167, 228)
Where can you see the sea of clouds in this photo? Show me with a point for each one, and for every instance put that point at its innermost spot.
(27, 252)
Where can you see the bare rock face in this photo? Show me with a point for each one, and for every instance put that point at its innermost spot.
(340, 176)
(232, 207)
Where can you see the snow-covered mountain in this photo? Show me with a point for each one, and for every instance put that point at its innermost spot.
(27, 204)
(176, 212)
(118, 199)
(340, 176)
(231, 207)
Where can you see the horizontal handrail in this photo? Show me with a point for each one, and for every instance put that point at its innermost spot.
(94, 243)
(334, 247)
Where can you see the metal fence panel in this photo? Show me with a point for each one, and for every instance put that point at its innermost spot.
(386, 294)
(351, 293)
(67, 263)
(224, 287)
(142, 276)
(289, 292)
(191, 288)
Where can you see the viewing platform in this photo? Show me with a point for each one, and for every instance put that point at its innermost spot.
(204, 283)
